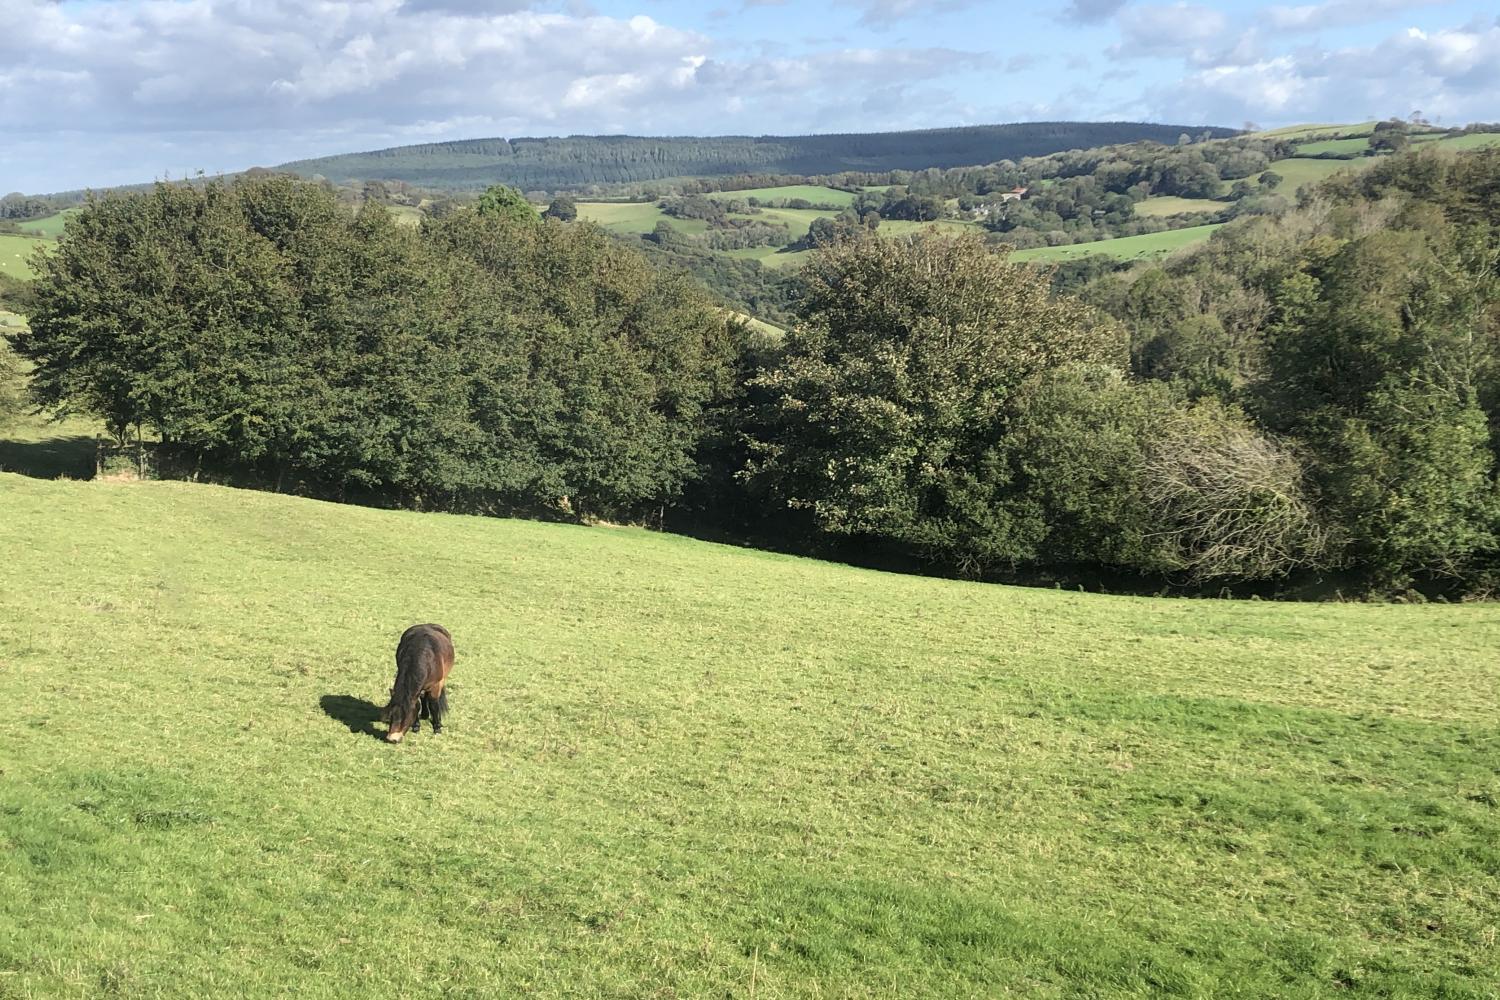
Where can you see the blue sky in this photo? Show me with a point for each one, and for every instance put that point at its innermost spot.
(98, 92)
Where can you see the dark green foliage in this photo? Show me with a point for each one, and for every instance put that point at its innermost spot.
(562, 209)
(19, 207)
(743, 285)
(886, 410)
(1365, 328)
(489, 362)
(576, 161)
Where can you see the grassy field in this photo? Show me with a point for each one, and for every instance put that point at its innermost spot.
(1297, 172)
(814, 193)
(680, 769)
(634, 217)
(1165, 205)
(50, 226)
(1329, 131)
(1474, 140)
(1124, 248)
(14, 253)
(1349, 145)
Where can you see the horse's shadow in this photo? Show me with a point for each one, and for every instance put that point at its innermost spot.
(356, 713)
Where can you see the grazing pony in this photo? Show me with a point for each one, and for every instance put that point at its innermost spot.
(423, 659)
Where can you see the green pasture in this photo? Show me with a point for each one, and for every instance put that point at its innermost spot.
(1321, 131)
(770, 256)
(1339, 146)
(1124, 248)
(815, 193)
(1473, 140)
(50, 226)
(1165, 205)
(634, 217)
(15, 254)
(678, 769)
(1296, 172)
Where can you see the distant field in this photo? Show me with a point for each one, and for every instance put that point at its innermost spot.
(14, 251)
(770, 256)
(1124, 248)
(634, 217)
(1332, 131)
(1474, 140)
(1339, 146)
(1171, 205)
(1297, 172)
(810, 192)
(406, 214)
(50, 226)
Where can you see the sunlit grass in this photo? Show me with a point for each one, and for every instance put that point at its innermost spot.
(681, 769)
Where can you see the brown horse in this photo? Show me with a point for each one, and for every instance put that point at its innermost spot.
(424, 658)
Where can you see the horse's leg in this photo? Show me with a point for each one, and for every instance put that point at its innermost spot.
(439, 709)
(424, 711)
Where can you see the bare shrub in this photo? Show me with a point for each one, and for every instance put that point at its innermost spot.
(1230, 502)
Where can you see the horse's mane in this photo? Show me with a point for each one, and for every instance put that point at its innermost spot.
(402, 710)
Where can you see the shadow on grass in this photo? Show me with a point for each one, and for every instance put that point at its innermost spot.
(356, 713)
(71, 456)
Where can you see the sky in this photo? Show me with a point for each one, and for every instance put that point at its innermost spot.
(101, 92)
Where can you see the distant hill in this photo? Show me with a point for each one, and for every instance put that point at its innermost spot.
(578, 161)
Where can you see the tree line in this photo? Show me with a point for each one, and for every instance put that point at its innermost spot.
(553, 164)
(1311, 397)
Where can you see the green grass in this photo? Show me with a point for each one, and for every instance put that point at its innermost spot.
(1349, 145)
(681, 769)
(817, 194)
(770, 256)
(50, 226)
(15, 252)
(634, 217)
(1124, 248)
(1327, 131)
(1474, 140)
(1296, 172)
(1164, 205)
(39, 446)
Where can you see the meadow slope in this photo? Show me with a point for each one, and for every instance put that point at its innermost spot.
(681, 769)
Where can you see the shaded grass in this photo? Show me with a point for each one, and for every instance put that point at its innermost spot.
(1124, 248)
(35, 445)
(675, 768)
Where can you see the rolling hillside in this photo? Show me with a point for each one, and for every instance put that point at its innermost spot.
(575, 161)
(676, 768)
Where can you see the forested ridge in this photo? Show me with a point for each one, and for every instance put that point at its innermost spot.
(574, 161)
(1311, 399)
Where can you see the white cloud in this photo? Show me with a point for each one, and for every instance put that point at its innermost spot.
(1452, 74)
(1174, 30)
(1338, 13)
(221, 84)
